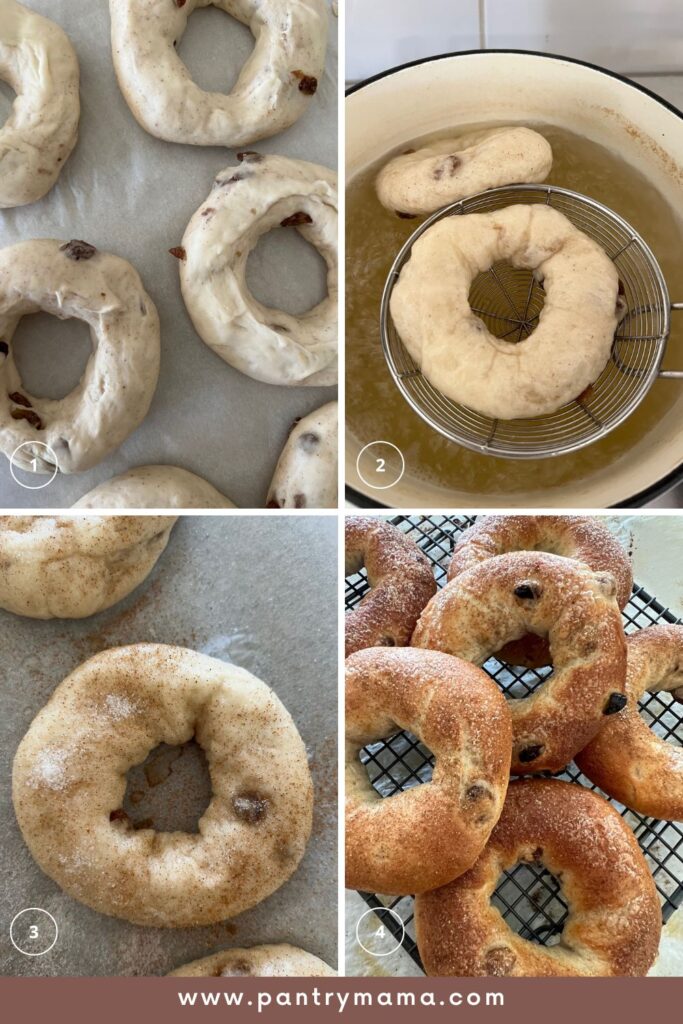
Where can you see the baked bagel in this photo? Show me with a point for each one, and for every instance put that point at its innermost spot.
(627, 759)
(429, 834)
(280, 961)
(511, 595)
(584, 538)
(614, 920)
(400, 578)
(69, 780)
(69, 567)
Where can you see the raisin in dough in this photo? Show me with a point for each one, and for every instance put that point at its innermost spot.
(278, 961)
(306, 472)
(38, 61)
(73, 279)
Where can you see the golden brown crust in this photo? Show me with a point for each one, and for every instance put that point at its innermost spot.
(584, 538)
(627, 759)
(429, 834)
(614, 921)
(507, 596)
(400, 578)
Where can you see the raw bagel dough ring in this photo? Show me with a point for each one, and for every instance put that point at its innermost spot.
(69, 567)
(627, 759)
(422, 181)
(306, 472)
(400, 578)
(572, 342)
(154, 487)
(511, 595)
(274, 87)
(73, 279)
(246, 202)
(69, 780)
(426, 835)
(39, 62)
(615, 918)
(276, 961)
(584, 538)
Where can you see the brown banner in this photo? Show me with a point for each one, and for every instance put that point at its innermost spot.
(515, 1001)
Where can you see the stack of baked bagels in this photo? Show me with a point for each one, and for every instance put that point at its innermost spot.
(533, 590)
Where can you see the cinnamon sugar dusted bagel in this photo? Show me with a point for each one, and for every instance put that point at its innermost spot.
(69, 567)
(511, 595)
(614, 920)
(584, 538)
(429, 834)
(627, 759)
(278, 961)
(69, 780)
(401, 582)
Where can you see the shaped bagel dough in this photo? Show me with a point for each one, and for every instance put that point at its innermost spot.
(422, 181)
(458, 355)
(306, 472)
(154, 487)
(73, 279)
(38, 61)
(274, 87)
(262, 193)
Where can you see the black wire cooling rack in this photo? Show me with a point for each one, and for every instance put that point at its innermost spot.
(528, 897)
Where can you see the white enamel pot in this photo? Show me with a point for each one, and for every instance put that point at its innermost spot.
(493, 85)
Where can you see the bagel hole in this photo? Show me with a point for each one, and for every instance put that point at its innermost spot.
(400, 762)
(531, 902)
(286, 272)
(507, 300)
(51, 354)
(7, 98)
(214, 49)
(170, 790)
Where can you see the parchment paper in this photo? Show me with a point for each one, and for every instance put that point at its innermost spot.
(129, 193)
(236, 588)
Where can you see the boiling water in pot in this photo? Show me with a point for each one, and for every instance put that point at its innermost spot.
(374, 408)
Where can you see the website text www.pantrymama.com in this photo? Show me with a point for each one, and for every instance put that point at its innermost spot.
(337, 1000)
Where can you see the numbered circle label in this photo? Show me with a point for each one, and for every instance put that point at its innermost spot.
(33, 931)
(380, 465)
(27, 458)
(380, 932)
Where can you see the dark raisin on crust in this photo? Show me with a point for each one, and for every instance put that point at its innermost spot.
(529, 590)
(449, 166)
(4, 348)
(299, 501)
(308, 442)
(20, 399)
(273, 503)
(296, 219)
(307, 83)
(207, 211)
(180, 3)
(250, 807)
(250, 156)
(386, 641)
(28, 414)
(499, 962)
(119, 815)
(616, 702)
(530, 753)
(537, 854)
(178, 252)
(405, 216)
(77, 250)
(476, 792)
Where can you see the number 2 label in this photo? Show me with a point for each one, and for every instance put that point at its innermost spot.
(380, 466)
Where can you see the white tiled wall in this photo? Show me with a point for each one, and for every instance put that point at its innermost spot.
(625, 35)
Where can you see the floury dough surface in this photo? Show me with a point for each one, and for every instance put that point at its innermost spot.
(190, 599)
(133, 195)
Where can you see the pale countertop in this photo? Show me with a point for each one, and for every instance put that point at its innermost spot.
(654, 540)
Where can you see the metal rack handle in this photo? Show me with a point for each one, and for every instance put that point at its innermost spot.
(672, 374)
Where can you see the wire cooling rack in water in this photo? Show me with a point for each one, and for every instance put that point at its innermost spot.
(528, 897)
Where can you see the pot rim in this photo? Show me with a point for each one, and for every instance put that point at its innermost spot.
(676, 475)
